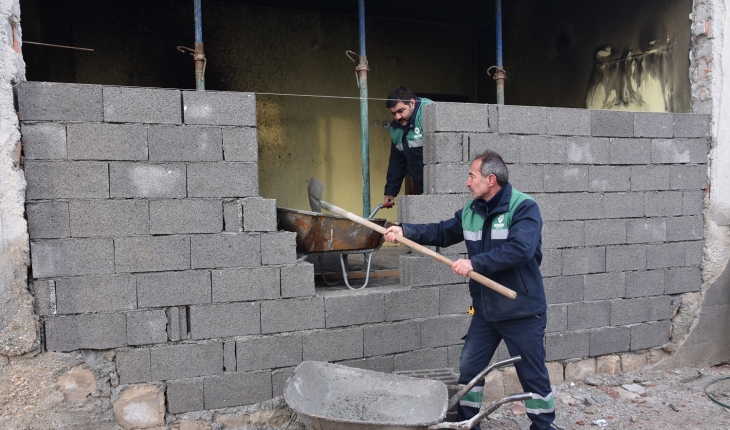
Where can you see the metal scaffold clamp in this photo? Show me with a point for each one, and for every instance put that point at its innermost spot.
(499, 73)
(362, 64)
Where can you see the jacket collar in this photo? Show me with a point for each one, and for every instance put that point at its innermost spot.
(497, 204)
(412, 119)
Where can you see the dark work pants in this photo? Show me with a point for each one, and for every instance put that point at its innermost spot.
(523, 337)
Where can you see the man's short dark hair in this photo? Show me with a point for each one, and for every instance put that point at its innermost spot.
(399, 94)
(492, 163)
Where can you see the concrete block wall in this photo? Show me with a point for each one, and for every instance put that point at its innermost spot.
(621, 196)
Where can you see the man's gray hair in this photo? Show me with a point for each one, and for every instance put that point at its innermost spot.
(492, 163)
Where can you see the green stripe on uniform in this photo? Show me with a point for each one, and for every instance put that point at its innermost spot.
(540, 405)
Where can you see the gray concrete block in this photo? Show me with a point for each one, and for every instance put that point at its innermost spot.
(623, 205)
(105, 218)
(223, 179)
(91, 331)
(361, 307)
(48, 220)
(455, 299)
(693, 253)
(106, 141)
(522, 119)
(173, 288)
(453, 354)
(44, 293)
(506, 145)
(237, 285)
(333, 345)
(421, 359)
(453, 250)
(185, 395)
(585, 315)
(649, 178)
(185, 216)
(609, 340)
(692, 125)
(279, 378)
(605, 231)
(688, 177)
(130, 180)
(411, 304)
(219, 108)
(444, 147)
(292, 314)
(445, 178)
(297, 280)
(224, 320)
(568, 122)
(630, 311)
(602, 286)
(685, 228)
(259, 214)
(151, 253)
(146, 327)
(145, 105)
(609, 178)
(237, 389)
(563, 289)
(650, 335)
(51, 101)
(653, 124)
(679, 151)
(581, 206)
(133, 365)
(225, 250)
(378, 364)
(174, 143)
(630, 151)
(550, 205)
(268, 352)
(527, 178)
(392, 338)
(186, 360)
(71, 257)
(232, 216)
(424, 271)
(444, 330)
(665, 255)
(612, 123)
(561, 346)
(563, 234)
(278, 248)
(646, 230)
(682, 280)
(663, 203)
(43, 141)
(557, 318)
(692, 202)
(422, 209)
(578, 261)
(467, 117)
(644, 283)
(96, 294)
(660, 308)
(625, 257)
(543, 149)
(559, 178)
(587, 150)
(177, 323)
(552, 262)
(240, 144)
(66, 180)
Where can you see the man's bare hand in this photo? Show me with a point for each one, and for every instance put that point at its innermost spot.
(462, 267)
(391, 232)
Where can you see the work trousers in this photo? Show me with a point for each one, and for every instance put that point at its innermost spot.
(523, 337)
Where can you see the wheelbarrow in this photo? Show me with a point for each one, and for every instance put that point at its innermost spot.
(323, 234)
(335, 397)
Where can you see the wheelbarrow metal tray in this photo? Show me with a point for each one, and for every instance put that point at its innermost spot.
(318, 232)
(331, 396)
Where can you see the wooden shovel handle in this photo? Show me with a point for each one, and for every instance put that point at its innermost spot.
(420, 248)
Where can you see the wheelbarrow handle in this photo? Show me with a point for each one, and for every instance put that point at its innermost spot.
(483, 413)
(466, 388)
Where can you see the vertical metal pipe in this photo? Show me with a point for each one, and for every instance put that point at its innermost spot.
(499, 76)
(362, 71)
(199, 55)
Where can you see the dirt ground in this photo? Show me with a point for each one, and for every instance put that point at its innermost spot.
(669, 399)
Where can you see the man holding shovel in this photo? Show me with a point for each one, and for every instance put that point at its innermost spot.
(502, 229)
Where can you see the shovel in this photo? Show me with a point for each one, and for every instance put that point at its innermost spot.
(316, 203)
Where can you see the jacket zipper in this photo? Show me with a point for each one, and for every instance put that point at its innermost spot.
(527, 289)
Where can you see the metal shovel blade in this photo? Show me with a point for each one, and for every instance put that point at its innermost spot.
(315, 190)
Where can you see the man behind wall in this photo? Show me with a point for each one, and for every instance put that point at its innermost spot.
(406, 135)
(502, 228)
